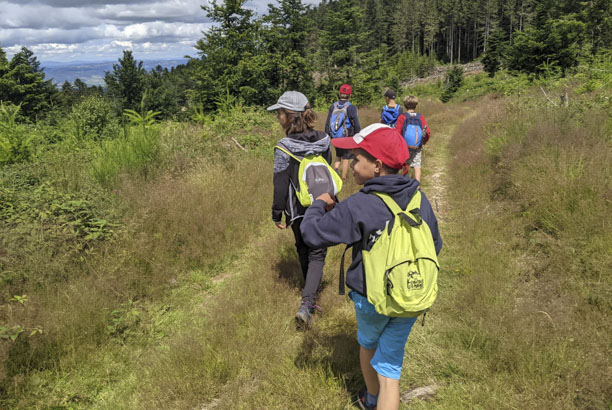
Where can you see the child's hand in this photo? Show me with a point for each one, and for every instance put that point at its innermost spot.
(280, 225)
(329, 201)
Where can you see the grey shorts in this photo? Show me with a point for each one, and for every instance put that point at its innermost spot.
(344, 153)
(415, 157)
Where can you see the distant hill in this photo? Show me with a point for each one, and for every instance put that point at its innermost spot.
(92, 73)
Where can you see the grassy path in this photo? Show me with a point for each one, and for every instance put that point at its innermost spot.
(283, 368)
(214, 327)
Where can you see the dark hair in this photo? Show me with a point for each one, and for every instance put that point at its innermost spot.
(388, 170)
(299, 121)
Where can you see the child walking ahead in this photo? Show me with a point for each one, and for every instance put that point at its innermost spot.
(297, 120)
(412, 120)
(390, 112)
(342, 121)
(359, 220)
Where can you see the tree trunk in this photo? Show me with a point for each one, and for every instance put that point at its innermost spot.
(475, 45)
(459, 46)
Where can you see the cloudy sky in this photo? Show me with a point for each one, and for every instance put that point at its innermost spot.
(96, 30)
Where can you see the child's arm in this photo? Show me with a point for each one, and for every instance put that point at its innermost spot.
(425, 128)
(321, 229)
(281, 187)
(429, 217)
(399, 123)
(354, 118)
(327, 127)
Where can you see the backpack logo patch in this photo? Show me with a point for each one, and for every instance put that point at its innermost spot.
(415, 281)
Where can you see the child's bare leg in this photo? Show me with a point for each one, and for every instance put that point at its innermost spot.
(345, 166)
(417, 173)
(337, 163)
(389, 394)
(369, 374)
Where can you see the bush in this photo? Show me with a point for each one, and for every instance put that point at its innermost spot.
(136, 152)
(15, 143)
(94, 118)
(453, 80)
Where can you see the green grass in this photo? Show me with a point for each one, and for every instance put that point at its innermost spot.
(190, 302)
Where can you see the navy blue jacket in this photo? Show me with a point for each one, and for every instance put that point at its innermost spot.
(351, 113)
(357, 219)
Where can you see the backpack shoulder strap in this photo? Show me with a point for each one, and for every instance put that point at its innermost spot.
(286, 151)
(341, 289)
(412, 213)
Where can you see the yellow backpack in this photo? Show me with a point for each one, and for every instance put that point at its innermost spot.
(401, 268)
(315, 176)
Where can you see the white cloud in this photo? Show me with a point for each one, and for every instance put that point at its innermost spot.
(96, 29)
(77, 29)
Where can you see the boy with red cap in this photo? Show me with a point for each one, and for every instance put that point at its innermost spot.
(342, 121)
(380, 152)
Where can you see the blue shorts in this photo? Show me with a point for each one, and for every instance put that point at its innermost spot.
(386, 334)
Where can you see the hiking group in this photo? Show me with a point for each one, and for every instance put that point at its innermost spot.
(389, 224)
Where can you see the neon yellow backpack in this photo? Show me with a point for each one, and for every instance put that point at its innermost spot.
(316, 177)
(401, 268)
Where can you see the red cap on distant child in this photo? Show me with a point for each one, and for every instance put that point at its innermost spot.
(346, 89)
(380, 141)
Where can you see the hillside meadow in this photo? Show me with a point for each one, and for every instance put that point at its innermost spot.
(144, 271)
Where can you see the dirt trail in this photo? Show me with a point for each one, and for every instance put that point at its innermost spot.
(437, 155)
(333, 333)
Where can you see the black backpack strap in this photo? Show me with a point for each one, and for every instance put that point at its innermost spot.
(341, 290)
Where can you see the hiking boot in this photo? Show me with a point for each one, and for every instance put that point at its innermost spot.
(362, 399)
(303, 317)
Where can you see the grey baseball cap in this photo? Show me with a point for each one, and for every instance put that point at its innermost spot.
(291, 100)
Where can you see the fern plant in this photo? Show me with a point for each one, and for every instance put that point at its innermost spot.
(143, 118)
(15, 145)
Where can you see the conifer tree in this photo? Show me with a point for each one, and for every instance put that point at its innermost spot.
(343, 37)
(23, 82)
(227, 56)
(286, 37)
(125, 83)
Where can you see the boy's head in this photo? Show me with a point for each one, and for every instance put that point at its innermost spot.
(390, 94)
(379, 150)
(410, 102)
(345, 91)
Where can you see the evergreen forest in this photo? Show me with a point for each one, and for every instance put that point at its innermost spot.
(139, 266)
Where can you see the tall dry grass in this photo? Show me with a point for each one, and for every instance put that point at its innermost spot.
(175, 229)
(528, 262)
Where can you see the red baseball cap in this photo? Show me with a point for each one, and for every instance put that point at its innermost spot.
(380, 141)
(346, 89)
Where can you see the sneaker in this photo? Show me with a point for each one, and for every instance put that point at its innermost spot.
(362, 400)
(303, 317)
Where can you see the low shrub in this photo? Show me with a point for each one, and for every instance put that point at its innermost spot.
(94, 118)
(137, 152)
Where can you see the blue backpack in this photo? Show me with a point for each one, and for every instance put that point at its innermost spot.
(339, 122)
(389, 115)
(412, 131)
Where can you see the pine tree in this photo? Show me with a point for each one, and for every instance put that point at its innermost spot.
(227, 56)
(22, 82)
(343, 37)
(125, 84)
(285, 36)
